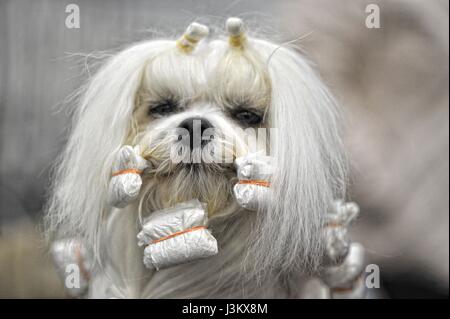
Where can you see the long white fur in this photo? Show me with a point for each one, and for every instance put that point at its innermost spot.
(260, 253)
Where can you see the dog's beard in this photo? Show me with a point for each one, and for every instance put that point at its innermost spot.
(206, 174)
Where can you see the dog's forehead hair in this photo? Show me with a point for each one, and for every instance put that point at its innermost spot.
(205, 78)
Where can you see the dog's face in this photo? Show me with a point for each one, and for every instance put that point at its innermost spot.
(192, 126)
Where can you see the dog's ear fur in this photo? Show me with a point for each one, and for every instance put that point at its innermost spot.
(311, 166)
(101, 123)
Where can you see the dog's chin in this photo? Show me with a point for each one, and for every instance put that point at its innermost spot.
(210, 183)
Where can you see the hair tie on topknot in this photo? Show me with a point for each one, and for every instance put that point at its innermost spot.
(193, 34)
(235, 29)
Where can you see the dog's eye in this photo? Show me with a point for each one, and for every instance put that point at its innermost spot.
(163, 108)
(247, 117)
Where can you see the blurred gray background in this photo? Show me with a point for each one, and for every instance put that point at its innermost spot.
(392, 83)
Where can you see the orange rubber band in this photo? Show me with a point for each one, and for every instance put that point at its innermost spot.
(178, 233)
(333, 225)
(127, 171)
(348, 289)
(255, 182)
(80, 262)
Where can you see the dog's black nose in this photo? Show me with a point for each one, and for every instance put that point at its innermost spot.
(196, 126)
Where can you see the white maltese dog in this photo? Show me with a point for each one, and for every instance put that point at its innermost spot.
(266, 204)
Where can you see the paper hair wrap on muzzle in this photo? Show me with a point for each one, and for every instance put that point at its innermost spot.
(254, 172)
(176, 235)
(126, 180)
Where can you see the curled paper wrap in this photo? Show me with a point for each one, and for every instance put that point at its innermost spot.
(70, 255)
(344, 273)
(336, 228)
(126, 178)
(176, 235)
(254, 172)
(342, 276)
